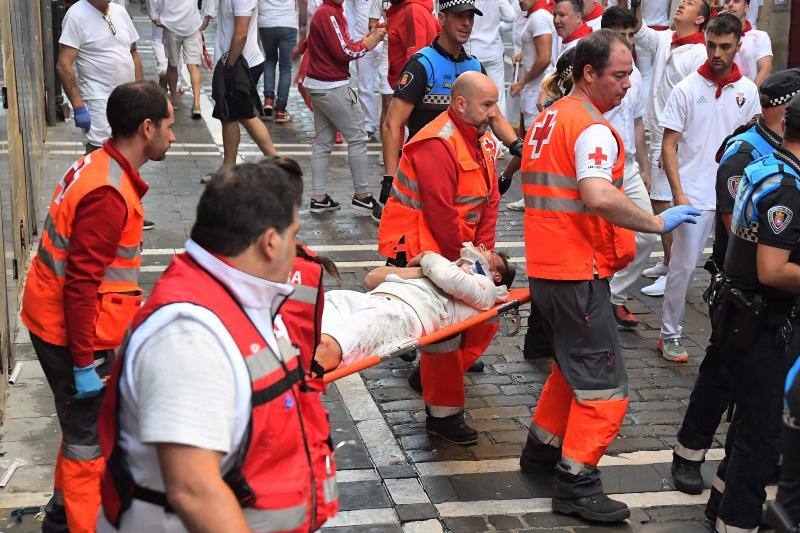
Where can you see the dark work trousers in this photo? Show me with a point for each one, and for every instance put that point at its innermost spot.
(537, 340)
(710, 398)
(757, 374)
(77, 418)
(789, 484)
(579, 319)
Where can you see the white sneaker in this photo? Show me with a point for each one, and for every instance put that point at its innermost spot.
(657, 288)
(519, 205)
(655, 271)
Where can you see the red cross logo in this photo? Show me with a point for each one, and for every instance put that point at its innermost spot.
(598, 156)
(541, 133)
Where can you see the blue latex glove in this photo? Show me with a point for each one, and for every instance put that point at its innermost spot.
(83, 119)
(675, 216)
(87, 382)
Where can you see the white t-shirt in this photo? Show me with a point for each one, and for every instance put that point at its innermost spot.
(375, 9)
(228, 9)
(485, 42)
(752, 12)
(756, 45)
(632, 107)
(278, 14)
(559, 47)
(540, 22)
(181, 17)
(703, 122)
(596, 152)
(357, 15)
(669, 67)
(656, 12)
(104, 59)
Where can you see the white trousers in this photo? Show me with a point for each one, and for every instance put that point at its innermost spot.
(160, 53)
(373, 69)
(100, 129)
(637, 192)
(496, 70)
(368, 324)
(687, 247)
(660, 189)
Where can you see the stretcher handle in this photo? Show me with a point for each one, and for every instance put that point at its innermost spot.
(429, 339)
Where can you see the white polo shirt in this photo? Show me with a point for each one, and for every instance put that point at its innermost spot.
(756, 45)
(703, 122)
(357, 14)
(278, 14)
(669, 67)
(632, 107)
(228, 9)
(104, 49)
(538, 23)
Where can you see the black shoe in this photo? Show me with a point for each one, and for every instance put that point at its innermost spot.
(476, 367)
(148, 224)
(686, 475)
(415, 380)
(370, 204)
(386, 189)
(597, 508)
(326, 205)
(452, 428)
(538, 457)
(712, 506)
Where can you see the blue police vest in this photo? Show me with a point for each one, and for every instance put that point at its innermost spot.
(761, 147)
(441, 72)
(760, 178)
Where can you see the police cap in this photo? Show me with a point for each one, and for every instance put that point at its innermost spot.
(458, 6)
(779, 87)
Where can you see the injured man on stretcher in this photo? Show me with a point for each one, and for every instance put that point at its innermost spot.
(404, 304)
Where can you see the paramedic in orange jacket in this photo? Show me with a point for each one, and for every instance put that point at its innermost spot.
(444, 194)
(82, 288)
(578, 226)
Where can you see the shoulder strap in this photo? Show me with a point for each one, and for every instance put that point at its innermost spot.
(427, 59)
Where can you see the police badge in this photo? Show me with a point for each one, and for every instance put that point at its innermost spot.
(733, 185)
(779, 217)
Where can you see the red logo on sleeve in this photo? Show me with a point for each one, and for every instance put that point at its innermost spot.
(598, 156)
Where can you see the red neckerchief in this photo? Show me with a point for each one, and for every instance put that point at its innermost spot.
(695, 38)
(595, 13)
(747, 27)
(707, 73)
(140, 185)
(582, 31)
(540, 4)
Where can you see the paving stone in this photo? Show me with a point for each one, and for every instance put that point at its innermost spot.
(515, 437)
(498, 412)
(466, 524)
(377, 528)
(396, 471)
(416, 511)
(363, 495)
(439, 488)
(490, 486)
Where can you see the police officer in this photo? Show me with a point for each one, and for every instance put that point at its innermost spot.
(756, 312)
(784, 513)
(711, 394)
(423, 91)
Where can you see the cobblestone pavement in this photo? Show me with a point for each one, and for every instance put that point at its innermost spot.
(392, 475)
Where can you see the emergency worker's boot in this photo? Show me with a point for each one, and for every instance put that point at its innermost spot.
(537, 456)
(415, 380)
(686, 475)
(596, 508)
(451, 428)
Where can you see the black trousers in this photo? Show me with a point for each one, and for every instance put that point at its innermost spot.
(789, 484)
(77, 418)
(752, 446)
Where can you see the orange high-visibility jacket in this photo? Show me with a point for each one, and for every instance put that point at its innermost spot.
(563, 240)
(119, 295)
(403, 214)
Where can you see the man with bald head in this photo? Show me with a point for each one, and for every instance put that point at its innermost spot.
(445, 193)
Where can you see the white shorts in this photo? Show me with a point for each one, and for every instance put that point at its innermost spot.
(191, 46)
(366, 324)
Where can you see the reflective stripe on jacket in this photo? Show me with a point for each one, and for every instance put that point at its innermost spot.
(403, 214)
(563, 240)
(119, 294)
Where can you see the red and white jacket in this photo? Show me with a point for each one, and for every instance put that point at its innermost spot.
(330, 48)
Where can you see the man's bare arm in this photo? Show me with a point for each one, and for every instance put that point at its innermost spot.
(543, 44)
(763, 69)
(393, 131)
(138, 72)
(641, 151)
(611, 204)
(195, 489)
(66, 73)
(378, 275)
(669, 158)
(240, 26)
(775, 269)
(503, 129)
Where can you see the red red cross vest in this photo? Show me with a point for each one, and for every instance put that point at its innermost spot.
(302, 316)
(273, 480)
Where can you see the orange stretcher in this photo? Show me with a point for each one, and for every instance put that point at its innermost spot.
(516, 298)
